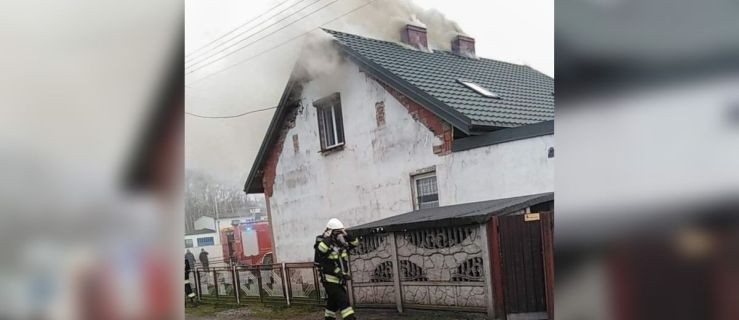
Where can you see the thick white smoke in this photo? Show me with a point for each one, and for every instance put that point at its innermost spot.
(384, 20)
(318, 56)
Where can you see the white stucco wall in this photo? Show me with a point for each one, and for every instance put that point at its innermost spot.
(215, 252)
(370, 178)
(499, 171)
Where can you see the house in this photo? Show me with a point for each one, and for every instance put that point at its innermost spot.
(201, 238)
(396, 129)
(206, 239)
(229, 219)
(403, 131)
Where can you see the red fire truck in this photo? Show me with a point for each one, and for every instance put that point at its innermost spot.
(247, 243)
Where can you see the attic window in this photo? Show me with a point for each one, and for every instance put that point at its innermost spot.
(330, 123)
(479, 89)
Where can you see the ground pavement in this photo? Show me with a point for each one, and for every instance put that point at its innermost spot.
(258, 312)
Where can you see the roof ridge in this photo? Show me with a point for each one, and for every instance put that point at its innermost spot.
(331, 31)
(363, 37)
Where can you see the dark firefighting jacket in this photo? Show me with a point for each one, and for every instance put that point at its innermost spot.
(332, 258)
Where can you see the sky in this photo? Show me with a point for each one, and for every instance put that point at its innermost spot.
(254, 77)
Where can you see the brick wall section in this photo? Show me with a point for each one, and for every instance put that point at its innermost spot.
(296, 144)
(380, 113)
(270, 166)
(439, 127)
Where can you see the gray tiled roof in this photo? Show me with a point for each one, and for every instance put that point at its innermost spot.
(526, 94)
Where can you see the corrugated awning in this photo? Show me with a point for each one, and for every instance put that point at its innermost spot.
(454, 215)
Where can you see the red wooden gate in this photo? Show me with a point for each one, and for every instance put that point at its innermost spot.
(522, 265)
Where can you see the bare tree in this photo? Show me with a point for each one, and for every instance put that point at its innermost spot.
(204, 196)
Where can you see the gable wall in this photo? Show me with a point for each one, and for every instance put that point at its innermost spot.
(370, 178)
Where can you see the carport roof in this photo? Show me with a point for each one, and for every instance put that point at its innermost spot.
(454, 215)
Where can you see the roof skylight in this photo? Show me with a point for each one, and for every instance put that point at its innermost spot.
(479, 89)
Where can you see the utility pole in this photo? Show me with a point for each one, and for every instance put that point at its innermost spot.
(218, 223)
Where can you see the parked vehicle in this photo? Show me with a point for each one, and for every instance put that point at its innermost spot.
(247, 243)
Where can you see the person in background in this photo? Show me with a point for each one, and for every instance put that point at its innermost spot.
(188, 286)
(204, 259)
(190, 258)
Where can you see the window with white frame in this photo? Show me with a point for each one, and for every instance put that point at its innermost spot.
(425, 191)
(188, 243)
(330, 122)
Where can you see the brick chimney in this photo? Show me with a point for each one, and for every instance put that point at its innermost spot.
(463, 46)
(415, 36)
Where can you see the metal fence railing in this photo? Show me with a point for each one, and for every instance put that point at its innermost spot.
(299, 284)
(284, 283)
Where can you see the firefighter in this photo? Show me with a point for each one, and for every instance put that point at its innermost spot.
(332, 258)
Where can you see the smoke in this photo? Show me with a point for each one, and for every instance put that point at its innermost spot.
(382, 20)
(416, 22)
(318, 56)
(224, 149)
(385, 19)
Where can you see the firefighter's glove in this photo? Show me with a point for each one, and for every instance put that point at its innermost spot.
(346, 277)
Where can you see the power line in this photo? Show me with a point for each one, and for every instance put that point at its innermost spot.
(209, 99)
(266, 20)
(279, 45)
(248, 30)
(234, 29)
(228, 117)
(253, 34)
(249, 58)
(267, 35)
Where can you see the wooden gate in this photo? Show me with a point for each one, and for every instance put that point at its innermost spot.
(524, 254)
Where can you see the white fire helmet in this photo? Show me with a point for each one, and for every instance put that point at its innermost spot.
(334, 224)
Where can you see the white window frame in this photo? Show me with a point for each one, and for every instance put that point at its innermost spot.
(329, 103)
(192, 243)
(414, 186)
(333, 128)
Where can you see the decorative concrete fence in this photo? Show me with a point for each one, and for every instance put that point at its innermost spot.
(438, 268)
(435, 268)
(492, 256)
